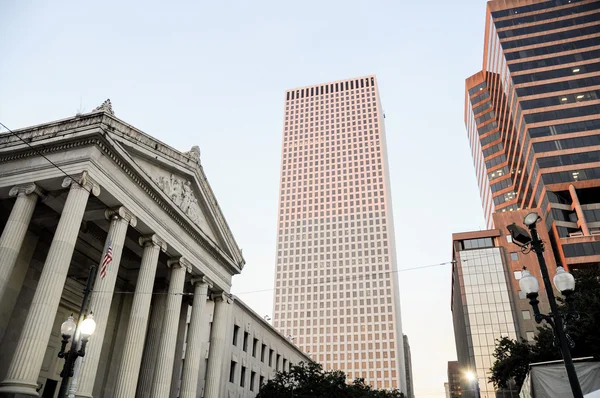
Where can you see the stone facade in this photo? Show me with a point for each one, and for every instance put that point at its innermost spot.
(75, 191)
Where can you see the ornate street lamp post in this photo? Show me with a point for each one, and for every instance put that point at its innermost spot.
(67, 330)
(563, 281)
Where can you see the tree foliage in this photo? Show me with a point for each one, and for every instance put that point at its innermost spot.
(513, 357)
(309, 380)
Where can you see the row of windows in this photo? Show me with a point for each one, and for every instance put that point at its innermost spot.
(553, 61)
(487, 128)
(569, 143)
(561, 100)
(534, 7)
(555, 48)
(564, 128)
(569, 176)
(548, 15)
(548, 37)
(563, 114)
(498, 173)
(506, 197)
(232, 368)
(482, 108)
(582, 249)
(485, 117)
(556, 73)
(559, 86)
(501, 185)
(479, 98)
(495, 161)
(566, 160)
(490, 138)
(477, 88)
(325, 89)
(255, 342)
(493, 149)
(549, 26)
(303, 106)
(592, 215)
(564, 215)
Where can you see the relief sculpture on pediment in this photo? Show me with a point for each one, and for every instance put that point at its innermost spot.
(182, 194)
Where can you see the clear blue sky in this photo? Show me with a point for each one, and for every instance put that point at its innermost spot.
(213, 74)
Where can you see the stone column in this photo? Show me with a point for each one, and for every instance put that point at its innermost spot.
(15, 229)
(27, 360)
(218, 340)
(133, 349)
(178, 357)
(161, 383)
(102, 295)
(193, 353)
(151, 344)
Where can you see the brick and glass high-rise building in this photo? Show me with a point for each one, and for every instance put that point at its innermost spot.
(533, 119)
(336, 287)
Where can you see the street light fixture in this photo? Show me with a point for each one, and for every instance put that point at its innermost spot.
(68, 329)
(563, 281)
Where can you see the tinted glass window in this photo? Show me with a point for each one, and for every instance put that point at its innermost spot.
(548, 15)
(572, 175)
(563, 114)
(564, 128)
(555, 48)
(490, 138)
(565, 59)
(561, 100)
(577, 142)
(558, 86)
(582, 249)
(565, 160)
(553, 74)
(546, 38)
(549, 26)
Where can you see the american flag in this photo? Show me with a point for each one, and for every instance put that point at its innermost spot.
(106, 260)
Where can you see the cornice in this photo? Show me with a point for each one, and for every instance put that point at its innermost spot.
(149, 189)
(105, 120)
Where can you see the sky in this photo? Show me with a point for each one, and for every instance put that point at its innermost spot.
(213, 74)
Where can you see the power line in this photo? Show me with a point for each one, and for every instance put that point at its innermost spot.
(361, 277)
(358, 277)
(42, 155)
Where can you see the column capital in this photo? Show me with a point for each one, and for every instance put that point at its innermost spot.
(198, 280)
(153, 240)
(123, 213)
(179, 262)
(224, 297)
(83, 181)
(27, 189)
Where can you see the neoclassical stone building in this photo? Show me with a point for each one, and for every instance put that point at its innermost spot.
(75, 190)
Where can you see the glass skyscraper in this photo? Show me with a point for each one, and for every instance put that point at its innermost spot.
(533, 119)
(336, 287)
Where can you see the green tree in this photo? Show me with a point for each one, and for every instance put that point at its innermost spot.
(514, 357)
(309, 380)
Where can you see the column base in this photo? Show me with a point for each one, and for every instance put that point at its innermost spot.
(18, 387)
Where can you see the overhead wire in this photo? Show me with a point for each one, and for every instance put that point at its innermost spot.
(37, 151)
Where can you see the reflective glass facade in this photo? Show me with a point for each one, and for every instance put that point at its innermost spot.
(533, 116)
(481, 306)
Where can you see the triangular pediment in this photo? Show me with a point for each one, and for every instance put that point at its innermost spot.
(180, 180)
(182, 193)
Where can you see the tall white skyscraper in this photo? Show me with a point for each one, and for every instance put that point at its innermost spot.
(336, 287)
